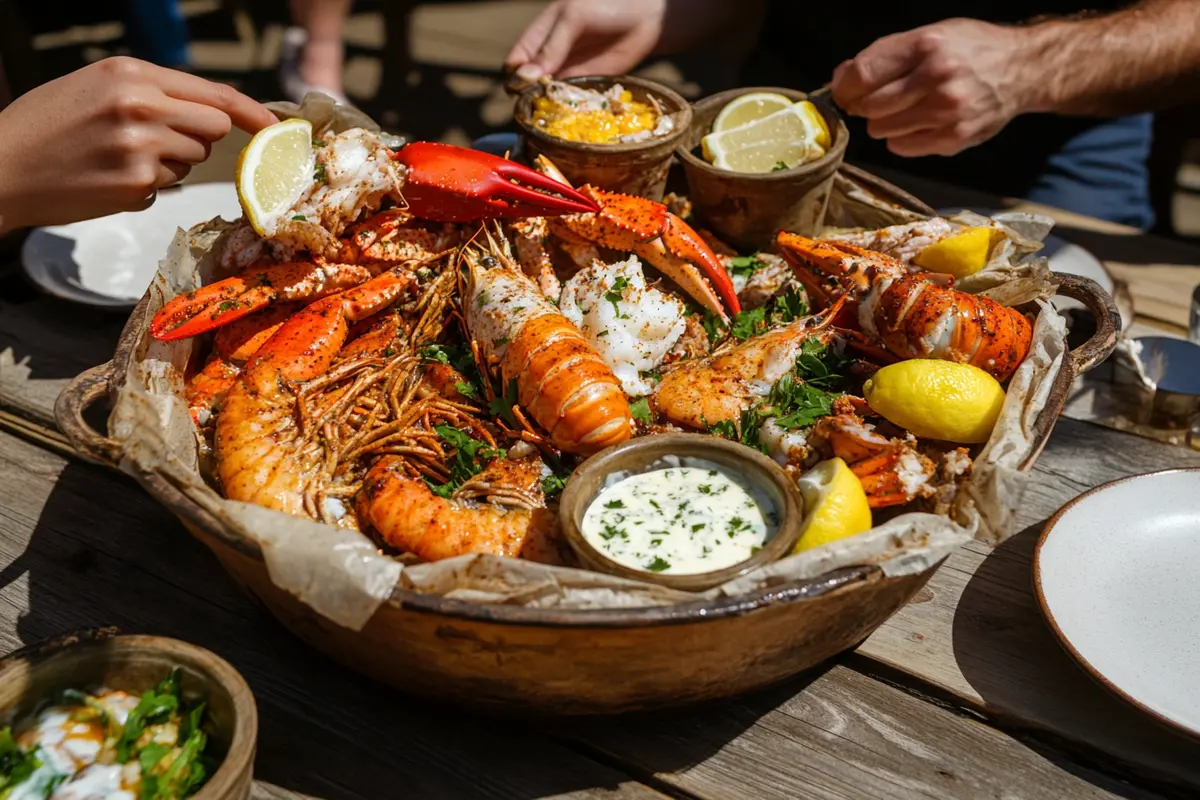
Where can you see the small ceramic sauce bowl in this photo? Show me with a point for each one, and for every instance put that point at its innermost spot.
(98, 658)
(747, 209)
(673, 450)
(638, 168)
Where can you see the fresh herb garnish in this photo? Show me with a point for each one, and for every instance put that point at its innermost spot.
(640, 410)
(466, 389)
(615, 504)
(468, 452)
(458, 357)
(15, 764)
(502, 406)
(616, 294)
(779, 166)
(299, 218)
(745, 265)
(552, 485)
(658, 564)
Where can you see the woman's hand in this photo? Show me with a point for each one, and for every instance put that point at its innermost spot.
(106, 137)
(585, 37)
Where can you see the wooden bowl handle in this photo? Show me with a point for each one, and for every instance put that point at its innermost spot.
(85, 389)
(1104, 310)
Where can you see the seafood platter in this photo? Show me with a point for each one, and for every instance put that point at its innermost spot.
(490, 434)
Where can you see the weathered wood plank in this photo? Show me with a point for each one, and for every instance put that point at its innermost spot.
(82, 547)
(976, 633)
(49, 342)
(838, 734)
(86, 547)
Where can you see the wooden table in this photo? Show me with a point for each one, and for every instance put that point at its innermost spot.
(963, 693)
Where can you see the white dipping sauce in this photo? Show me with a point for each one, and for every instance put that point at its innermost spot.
(680, 520)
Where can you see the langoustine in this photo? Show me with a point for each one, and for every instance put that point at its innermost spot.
(560, 380)
(911, 315)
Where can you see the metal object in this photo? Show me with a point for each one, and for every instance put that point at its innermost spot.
(1194, 317)
(1168, 372)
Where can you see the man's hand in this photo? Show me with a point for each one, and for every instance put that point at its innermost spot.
(938, 89)
(106, 137)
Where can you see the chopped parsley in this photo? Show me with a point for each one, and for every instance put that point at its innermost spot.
(616, 294)
(745, 265)
(552, 485)
(299, 218)
(466, 389)
(468, 452)
(780, 166)
(640, 410)
(658, 564)
(615, 504)
(502, 406)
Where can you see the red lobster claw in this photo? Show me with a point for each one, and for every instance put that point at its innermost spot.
(455, 184)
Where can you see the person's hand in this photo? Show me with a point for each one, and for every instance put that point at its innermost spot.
(585, 37)
(938, 89)
(106, 137)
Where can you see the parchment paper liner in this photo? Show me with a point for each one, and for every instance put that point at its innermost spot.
(342, 576)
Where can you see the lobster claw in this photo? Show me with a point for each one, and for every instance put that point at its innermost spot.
(455, 184)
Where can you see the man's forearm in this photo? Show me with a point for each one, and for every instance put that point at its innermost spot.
(1144, 58)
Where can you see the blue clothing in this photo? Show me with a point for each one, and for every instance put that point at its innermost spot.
(1101, 172)
(157, 32)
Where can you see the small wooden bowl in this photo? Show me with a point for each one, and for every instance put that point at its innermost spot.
(648, 452)
(638, 168)
(747, 210)
(134, 664)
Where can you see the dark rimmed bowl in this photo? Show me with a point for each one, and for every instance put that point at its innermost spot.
(96, 658)
(647, 453)
(746, 210)
(638, 168)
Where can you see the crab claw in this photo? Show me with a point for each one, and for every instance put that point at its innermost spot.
(635, 224)
(455, 184)
(223, 302)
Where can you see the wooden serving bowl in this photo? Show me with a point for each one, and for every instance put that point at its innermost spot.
(638, 168)
(747, 210)
(575, 661)
(134, 664)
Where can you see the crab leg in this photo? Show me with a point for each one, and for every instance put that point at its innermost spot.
(221, 303)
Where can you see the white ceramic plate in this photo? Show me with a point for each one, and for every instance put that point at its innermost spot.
(1116, 574)
(1064, 257)
(109, 262)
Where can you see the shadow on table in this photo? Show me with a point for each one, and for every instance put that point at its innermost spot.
(105, 553)
(1009, 655)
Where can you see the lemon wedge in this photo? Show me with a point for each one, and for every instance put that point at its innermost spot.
(782, 140)
(937, 399)
(748, 108)
(962, 254)
(835, 505)
(818, 122)
(273, 172)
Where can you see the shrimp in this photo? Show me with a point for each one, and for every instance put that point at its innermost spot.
(560, 379)
(701, 393)
(262, 453)
(411, 518)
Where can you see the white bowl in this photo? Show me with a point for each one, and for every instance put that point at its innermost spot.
(108, 262)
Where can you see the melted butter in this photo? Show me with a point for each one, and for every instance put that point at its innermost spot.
(679, 520)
